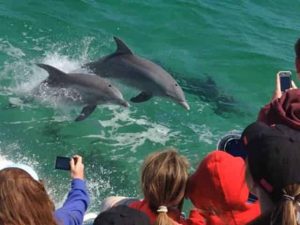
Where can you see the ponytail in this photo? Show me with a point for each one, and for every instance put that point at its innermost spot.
(162, 217)
(288, 213)
(288, 204)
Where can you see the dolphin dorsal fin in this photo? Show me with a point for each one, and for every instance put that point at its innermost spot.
(54, 73)
(122, 48)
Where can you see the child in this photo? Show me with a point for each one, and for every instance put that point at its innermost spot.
(219, 192)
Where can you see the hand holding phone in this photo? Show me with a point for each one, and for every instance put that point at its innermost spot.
(77, 167)
(73, 164)
(285, 80)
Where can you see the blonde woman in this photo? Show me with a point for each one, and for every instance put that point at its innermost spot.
(163, 179)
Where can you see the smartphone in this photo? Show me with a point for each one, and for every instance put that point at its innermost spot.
(285, 80)
(62, 163)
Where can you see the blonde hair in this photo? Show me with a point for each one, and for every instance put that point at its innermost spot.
(164, 177)
(288, 207)
(23, 200)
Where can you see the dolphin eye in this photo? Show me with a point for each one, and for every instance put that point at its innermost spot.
(176, 84)
(109, 85)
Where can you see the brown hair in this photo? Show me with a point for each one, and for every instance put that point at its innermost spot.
(164, 177)
(23, 200)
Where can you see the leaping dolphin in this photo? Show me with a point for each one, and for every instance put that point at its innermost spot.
(86, 89)
(148, 77)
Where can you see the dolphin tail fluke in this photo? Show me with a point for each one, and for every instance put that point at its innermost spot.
(54, 73)
(122, 48)
(142, 97)
(86, 111)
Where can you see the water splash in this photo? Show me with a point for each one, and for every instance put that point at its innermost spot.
(147, 130)
(7, 48)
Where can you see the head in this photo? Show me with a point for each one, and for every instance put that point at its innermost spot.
(23, 200)
(113, 94)
(122, 215)
(273, 164)
(297, 58)
(218, 185)
(164, 177)
(175, 92)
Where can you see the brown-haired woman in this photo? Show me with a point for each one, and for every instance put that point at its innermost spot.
(164, 177)
(24, 200)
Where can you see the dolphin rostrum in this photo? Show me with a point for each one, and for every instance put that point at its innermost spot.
(140, 73)
(86, 89)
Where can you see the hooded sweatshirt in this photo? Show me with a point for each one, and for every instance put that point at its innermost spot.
(284, 110)
(219, 191)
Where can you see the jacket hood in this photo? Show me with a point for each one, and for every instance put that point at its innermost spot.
(219, 183)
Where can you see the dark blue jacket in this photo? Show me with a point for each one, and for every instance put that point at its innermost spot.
(76, 204)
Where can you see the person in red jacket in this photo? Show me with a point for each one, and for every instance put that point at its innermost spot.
(219, 192)
(164, 177)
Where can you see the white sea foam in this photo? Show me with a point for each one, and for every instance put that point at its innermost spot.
(204, 133)
(148, 130)
(7, 48)
(62, 62)
(3, 160)
(14, 155)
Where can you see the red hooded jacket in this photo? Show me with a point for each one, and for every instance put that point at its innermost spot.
(284, 110)
(219, 191)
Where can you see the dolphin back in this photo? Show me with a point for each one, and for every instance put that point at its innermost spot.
(55, 75)
(122, 48)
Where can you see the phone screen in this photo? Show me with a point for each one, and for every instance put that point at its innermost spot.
(62, 163)
(285, 81)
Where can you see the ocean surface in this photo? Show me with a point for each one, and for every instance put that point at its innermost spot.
(224, 54)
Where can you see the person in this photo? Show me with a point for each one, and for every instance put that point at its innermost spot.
(122, 215)
(219, 192)
(163, 179)
(273, 165)
(284, 106)
(24, 200)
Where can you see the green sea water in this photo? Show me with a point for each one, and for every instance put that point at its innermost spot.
(224, 54)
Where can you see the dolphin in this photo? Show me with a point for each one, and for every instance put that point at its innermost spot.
(142, 74)
(86, 89)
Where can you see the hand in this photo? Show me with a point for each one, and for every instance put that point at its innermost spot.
(277, 91)
(77, 167)
(294, 85)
